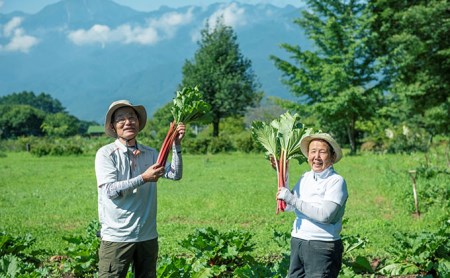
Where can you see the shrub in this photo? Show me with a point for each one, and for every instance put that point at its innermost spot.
(196, 145)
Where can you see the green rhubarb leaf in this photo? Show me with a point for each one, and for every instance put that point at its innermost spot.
(189, 106)
(266, 135)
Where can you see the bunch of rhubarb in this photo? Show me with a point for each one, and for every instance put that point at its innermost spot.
(188, 107)
(281, 139)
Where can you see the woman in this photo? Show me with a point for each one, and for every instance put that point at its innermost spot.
(318, 200)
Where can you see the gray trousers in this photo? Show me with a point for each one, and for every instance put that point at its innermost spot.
(115, 259)
(314, 259)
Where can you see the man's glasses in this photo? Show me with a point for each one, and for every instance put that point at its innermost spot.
(123, 118)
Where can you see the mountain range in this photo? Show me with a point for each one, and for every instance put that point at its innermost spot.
(88, 53)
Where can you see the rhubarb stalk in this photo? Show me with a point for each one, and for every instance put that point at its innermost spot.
(281, 139)
(188, 107)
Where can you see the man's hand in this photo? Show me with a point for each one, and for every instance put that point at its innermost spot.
(153, 173)
(181, 129)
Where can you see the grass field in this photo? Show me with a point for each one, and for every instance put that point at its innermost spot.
(52, 197)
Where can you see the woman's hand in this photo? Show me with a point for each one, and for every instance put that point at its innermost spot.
(273, 162)
(181, 129)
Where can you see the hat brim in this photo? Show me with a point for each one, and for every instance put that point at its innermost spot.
(140, 111)
(304, 144)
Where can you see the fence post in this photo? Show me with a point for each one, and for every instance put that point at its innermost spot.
(412, 174)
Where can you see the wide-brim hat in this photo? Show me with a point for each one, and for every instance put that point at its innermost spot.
(140, 111)
(304, 144)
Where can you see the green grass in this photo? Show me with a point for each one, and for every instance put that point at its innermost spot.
(52, 197)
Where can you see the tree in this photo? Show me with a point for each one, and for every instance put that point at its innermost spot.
(413, 39)
(42, 101)
(222, 73)
(20, 120)
(60, 125)
(337, 80)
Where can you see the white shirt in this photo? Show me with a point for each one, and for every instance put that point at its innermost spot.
(315, 188)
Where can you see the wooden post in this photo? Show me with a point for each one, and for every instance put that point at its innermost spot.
(412, 174)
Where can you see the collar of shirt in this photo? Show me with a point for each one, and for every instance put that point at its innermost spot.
(124, 148)
(324, 174)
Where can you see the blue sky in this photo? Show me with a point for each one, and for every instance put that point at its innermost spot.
(33, 6)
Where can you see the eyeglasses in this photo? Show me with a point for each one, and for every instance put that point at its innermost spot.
(123, 118)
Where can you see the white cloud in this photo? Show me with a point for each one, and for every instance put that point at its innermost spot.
(152, 32)
(17, 39)
(232, 15)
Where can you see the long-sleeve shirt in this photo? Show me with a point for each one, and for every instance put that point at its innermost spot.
(320, 206)
(127, 206)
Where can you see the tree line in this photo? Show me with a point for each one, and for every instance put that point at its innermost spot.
(378, 70)
(28, 114)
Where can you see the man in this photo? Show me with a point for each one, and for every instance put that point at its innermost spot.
(126, 174)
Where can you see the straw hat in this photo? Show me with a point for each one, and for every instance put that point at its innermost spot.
(304, 144)
(140, 111)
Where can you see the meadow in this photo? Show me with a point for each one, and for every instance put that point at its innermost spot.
(52, 197)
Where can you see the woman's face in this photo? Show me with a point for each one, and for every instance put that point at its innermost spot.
(319, 155)
(126, 123)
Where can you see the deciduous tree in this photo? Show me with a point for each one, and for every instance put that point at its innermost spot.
(413, 40)
(337, 79)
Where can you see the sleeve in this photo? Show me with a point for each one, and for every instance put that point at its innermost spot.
(325, 212)
(115, 189)
(106, 172)
(174, 171)
(337, 191)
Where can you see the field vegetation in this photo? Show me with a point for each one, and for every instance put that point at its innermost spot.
(54, 198)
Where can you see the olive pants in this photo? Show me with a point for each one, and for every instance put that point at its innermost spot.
(115, 259)
(315, 259)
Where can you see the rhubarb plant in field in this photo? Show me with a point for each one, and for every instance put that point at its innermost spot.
(281, 139)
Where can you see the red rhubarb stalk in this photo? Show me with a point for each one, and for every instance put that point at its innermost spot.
(188, 107)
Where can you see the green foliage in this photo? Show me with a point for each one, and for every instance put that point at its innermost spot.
(26, 114)
(220, 144)
(56, 148)
(60, 125)
(20, 120)
(218, 254)
(338, 79)
(47, 208)
(82, 253)
(281, 138)
(354, 264)
(424, 251)
(189, 107)
(196, 145)
(43, 101)
(412, 41)
(222, 73)
(16, 259)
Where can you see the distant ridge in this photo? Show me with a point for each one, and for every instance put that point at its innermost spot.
(89, 53)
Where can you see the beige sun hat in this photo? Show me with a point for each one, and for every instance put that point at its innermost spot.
(140, 111)
(304, 144)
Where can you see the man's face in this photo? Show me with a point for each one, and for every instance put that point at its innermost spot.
(126, 122)
(319, 155)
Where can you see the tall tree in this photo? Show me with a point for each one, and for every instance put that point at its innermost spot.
(222, 73)
(337, 80)
(413, 39)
